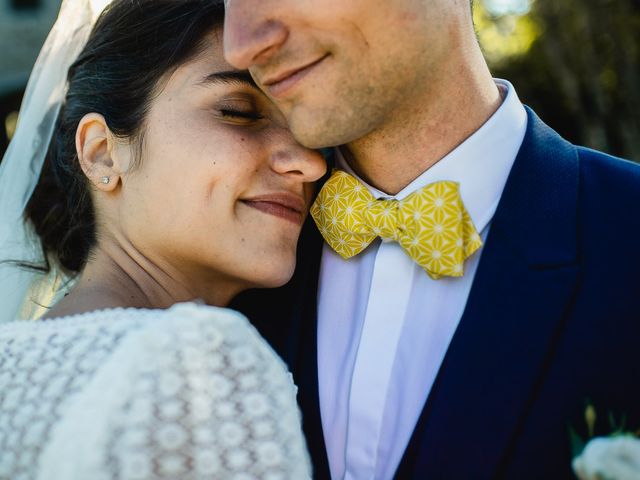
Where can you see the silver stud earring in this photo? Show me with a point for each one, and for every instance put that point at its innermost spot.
(105, 180)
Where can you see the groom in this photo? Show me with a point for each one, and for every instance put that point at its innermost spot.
(406, 369)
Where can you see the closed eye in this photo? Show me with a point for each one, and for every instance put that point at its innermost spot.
(239, 114)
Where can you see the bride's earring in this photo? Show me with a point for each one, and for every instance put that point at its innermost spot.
(106, 180)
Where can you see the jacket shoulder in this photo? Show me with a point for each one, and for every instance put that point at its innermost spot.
(605, 174)
(609, 205)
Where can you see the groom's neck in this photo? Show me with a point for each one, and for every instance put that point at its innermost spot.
(426, 127)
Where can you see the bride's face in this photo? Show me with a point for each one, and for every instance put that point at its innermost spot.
(222, 189)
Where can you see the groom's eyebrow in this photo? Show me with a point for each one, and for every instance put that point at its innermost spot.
(241, 77)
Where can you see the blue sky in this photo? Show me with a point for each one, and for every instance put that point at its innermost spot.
(502, 7)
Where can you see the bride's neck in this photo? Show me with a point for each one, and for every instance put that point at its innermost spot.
(120, 276)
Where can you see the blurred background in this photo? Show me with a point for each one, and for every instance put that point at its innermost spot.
(575, 62)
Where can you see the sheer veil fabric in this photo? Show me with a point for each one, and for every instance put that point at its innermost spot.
(23, 161)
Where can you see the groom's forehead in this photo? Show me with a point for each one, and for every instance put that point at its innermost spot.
(339, 10)
(273, 6)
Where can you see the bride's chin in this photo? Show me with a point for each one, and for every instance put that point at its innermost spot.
(274, 277)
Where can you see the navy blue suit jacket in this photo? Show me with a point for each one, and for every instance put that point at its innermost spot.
(552, 321)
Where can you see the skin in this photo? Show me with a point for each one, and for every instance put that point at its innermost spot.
(398, 83)
(190, 221)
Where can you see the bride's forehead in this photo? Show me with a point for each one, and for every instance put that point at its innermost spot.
(198, 69)
(209, 54)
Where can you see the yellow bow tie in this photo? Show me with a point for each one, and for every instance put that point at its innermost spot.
(432, 224)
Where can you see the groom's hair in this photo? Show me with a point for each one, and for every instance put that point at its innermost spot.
(132, 48)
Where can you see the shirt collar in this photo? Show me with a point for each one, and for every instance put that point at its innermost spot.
(480, 165)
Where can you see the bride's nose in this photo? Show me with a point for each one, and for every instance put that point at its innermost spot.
(298, 162)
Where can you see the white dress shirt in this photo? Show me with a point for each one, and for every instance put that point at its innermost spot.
(384, 325)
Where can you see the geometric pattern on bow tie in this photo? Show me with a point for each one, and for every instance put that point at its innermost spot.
(431, 225)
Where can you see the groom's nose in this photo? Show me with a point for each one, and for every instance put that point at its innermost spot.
(252, 33)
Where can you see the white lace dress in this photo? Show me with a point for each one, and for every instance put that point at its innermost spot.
(191, 392)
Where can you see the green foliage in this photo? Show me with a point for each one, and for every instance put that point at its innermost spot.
(505, 37)
(580, 71)
(617, 428)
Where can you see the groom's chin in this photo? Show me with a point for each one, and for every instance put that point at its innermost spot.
(312, 127)
(322, 127)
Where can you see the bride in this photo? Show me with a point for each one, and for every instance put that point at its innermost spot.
(170, 184)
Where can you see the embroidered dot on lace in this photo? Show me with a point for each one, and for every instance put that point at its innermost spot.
(242, 358)
(232, 434)
(201, 407)
(172, 436)
(172, 410)
(255, 404)
(226, 410)
(190, 392)
(207, 462)
(204, 435)
(219, 386)
(134, 438)
(237, 460)
(270, 453)
(170, 384)
(263, 429)
(248, 381)
(136, 466)
(172, 465)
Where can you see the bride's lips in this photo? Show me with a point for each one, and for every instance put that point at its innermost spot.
(279, 84)
(287, 206)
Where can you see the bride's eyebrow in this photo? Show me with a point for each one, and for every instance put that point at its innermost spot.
(241, 77)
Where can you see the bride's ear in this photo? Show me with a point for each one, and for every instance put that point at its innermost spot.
(95, 147)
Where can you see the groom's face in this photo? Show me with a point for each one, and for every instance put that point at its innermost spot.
(339, 69)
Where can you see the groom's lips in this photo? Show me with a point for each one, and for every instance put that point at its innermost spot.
(287, 206)
(279, 84)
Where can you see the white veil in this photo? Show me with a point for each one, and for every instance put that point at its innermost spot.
(23, 161)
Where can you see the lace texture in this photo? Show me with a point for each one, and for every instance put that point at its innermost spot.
(188, 393)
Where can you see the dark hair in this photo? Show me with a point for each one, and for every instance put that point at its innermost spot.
(133, 45)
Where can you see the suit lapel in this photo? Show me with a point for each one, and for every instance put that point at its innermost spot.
(513, 316)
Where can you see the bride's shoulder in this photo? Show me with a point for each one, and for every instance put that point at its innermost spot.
(188, 325)
(194, 315)
(190, 329)
(182, 315)
(191, 378)
(184, 325)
